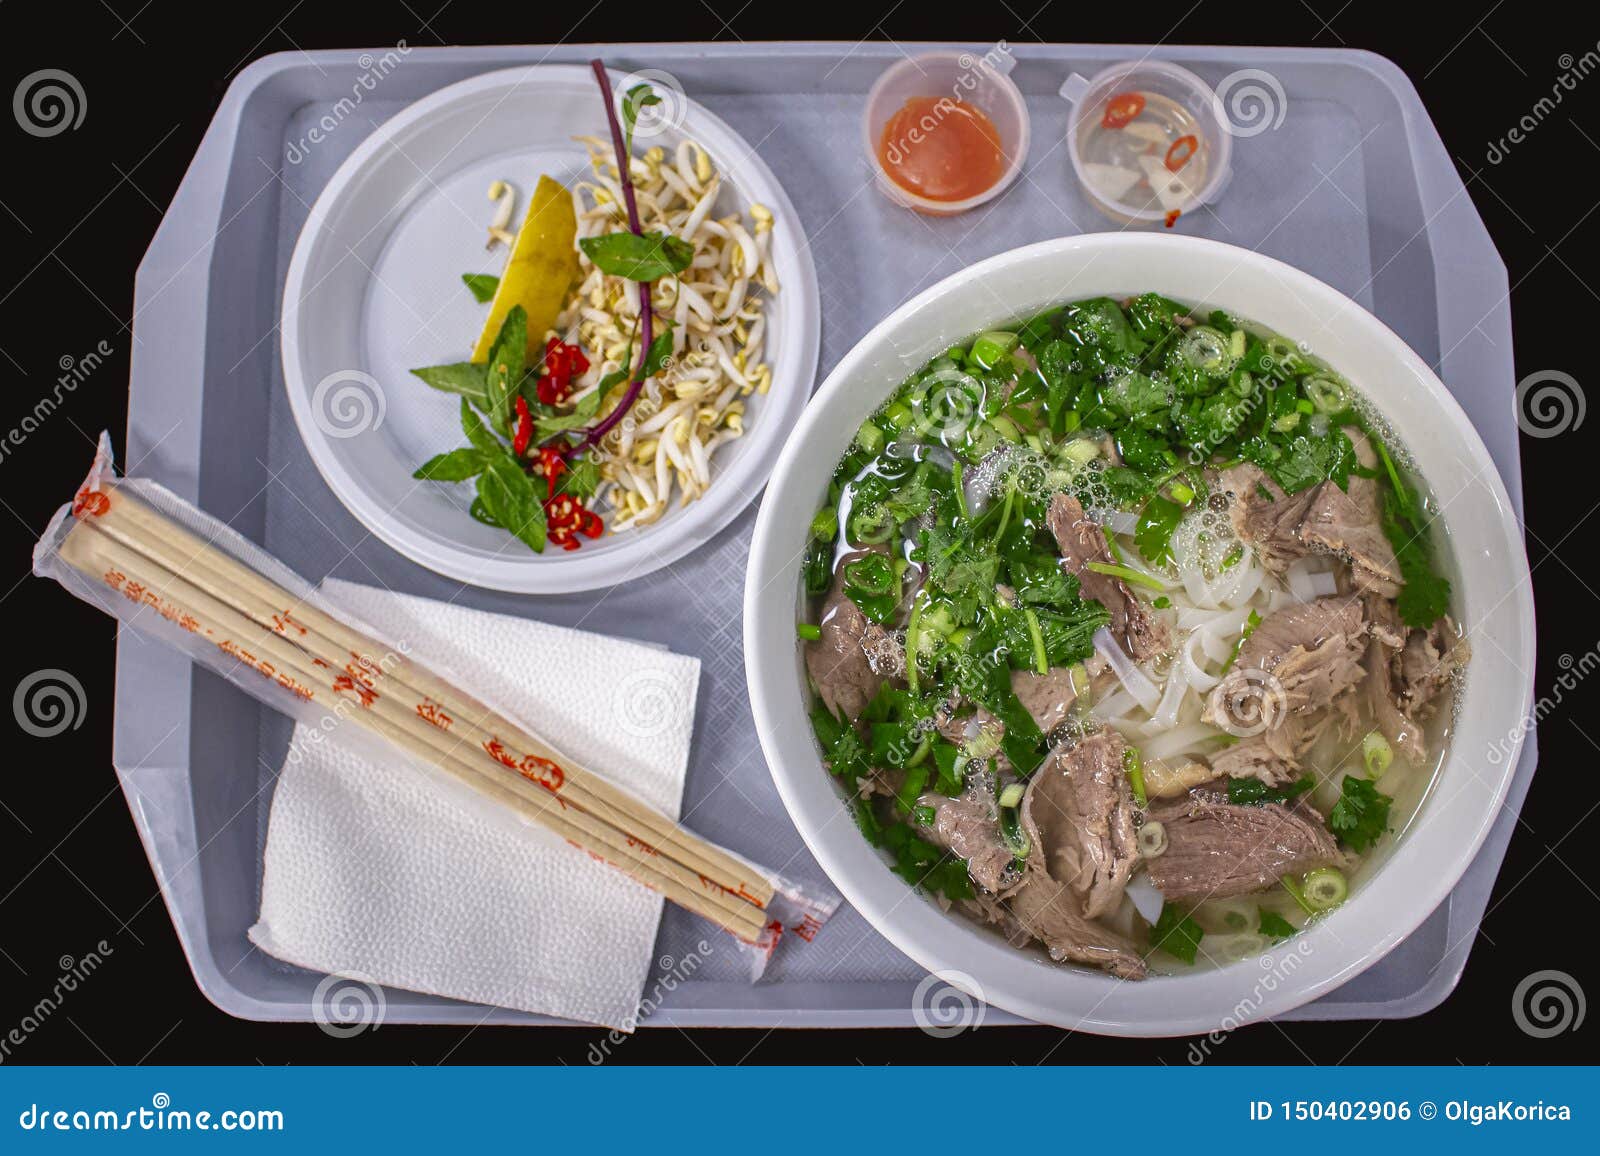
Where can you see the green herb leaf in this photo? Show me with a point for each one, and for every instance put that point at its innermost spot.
(639, 96)
(478, 433)
(580, 480)
(1254, 793)
(482, 285)
(461, 377)
(456, 466)
(508, 358)
(638, 256)
(1153, 535)
(1176, 933)
(1275, 926)
(1425, 596)
(1361, 815)
(509, 497)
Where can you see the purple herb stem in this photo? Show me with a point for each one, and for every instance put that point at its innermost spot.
(646, 312)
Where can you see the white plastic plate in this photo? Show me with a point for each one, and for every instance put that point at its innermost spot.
(374, 289)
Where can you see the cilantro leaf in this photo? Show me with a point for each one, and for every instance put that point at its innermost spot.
(1153, 535)
(1176, 933)
(1361, 815)
(1275, 926)
(1425, 596)
(1255, 793)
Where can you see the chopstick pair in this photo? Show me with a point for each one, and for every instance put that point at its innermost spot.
(122, 541)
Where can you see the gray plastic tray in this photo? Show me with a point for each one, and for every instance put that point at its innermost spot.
(1355, 188)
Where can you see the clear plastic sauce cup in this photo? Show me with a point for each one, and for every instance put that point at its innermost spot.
(1149, 141)
(950, 80)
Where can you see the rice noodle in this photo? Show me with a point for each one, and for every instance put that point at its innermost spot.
(1133, 680)
(1180, 740)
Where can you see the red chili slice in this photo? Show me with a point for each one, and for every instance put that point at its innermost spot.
(524, 433)
(1182, 149)
(1122, 108)
(1172, 217)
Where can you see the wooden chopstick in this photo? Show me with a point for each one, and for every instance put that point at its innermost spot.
(317, 678)
(139, 526)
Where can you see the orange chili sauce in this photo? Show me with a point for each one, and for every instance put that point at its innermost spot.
(941, 148)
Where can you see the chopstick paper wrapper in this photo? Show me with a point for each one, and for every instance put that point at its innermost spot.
(158, 564)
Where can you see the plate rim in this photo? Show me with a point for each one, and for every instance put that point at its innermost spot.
(653, 548)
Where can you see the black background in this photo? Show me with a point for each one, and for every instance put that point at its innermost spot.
(78, 209)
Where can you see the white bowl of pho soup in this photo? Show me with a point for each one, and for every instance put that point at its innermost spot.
(1110, 625)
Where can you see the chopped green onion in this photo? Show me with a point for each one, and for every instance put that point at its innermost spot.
(1299, 894)
(869, 437)
(1181, 493)
(1134, 765)
(1249, 625)
(1081, 451)
(989, 348)
(1152, 839)
(1080, 680)
(825, 526)
(911, 789)
(1041, 660)
(1006, 427)
(1127, 574)
(1236, 344)
(873, 574)
(871, 526)
(913, 642)
(1376, 754)
(808, 631)
(1012, 795)
(899, 417)
(1328, 395)
(1325, 887)
(1012, 834)
(960, 490)
(922, 815)
(1207, 350)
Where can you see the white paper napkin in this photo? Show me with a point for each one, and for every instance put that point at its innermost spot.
(395, 873)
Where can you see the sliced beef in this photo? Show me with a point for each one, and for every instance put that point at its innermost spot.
(1404, 682)
(1052, 913)
(1049, 697)
(1349, 522)
(968, 826)
(1312, 652)
(1081, 541)
(1215, 849)
(1383, 620)
(1427, 664)
(1078, 815)
(1264, 516)
(1273, 756)
(854, 656)
(1404, 735)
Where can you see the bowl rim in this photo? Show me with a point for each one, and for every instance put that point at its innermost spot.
(797, 317)
(928, 935)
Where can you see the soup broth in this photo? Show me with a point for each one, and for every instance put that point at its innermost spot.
(1129, 635)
